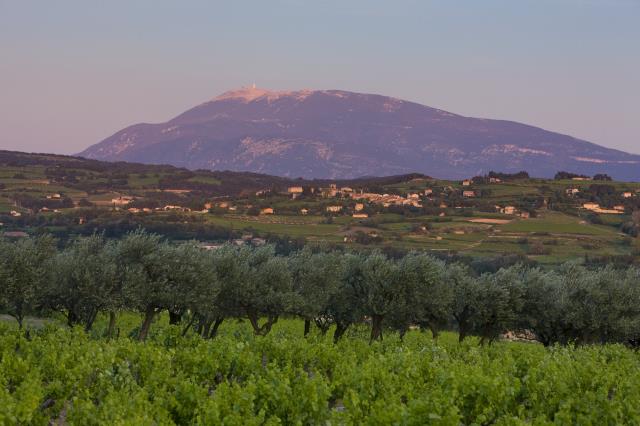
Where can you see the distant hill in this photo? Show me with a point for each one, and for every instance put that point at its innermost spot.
(114, 175)
(338, 134)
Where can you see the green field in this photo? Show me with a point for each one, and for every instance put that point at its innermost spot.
(58, 375)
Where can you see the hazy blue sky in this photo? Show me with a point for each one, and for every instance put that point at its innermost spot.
(74, 72)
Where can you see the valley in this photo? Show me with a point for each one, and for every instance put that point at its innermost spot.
(496, 215)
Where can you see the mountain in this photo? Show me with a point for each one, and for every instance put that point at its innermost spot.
(339, 134)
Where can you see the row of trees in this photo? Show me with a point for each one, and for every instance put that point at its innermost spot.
(200, 289)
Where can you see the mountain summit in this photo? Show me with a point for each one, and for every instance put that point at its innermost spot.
(339, 134)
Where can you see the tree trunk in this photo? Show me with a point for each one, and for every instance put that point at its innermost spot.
(323, 324)
(20, 320)
(112, 324)
(89, 324)
(462, 333)
(191, 321)
(174, 318)
(376, 328)
(264, 329)
(340, 330)
(307, 327)
(434, 332)
(206, 328)
(72, 318)
(214, 329)
(146, 324)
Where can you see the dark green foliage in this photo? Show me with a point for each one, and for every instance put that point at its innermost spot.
(200, 289)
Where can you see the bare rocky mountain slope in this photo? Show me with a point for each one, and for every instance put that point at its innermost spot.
(339, 134)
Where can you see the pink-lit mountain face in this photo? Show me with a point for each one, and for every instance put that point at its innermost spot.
(338, 134)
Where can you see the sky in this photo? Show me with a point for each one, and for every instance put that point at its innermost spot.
(73, 72)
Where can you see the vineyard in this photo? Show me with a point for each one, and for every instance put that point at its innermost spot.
(142, 331)
(67, 376)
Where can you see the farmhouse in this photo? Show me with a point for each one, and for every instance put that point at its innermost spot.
(123, 200)
(15, 234)
(591, 206)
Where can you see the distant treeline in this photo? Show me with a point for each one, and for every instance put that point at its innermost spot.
(200, 289)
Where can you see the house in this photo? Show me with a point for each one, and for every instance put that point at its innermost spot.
(169, 207)
(295, 190)
(304, 211)
(581, 178)
(134, 210)
(591, 206)
(54, 196)
(15, 234)
(334, 209)
(619, 208)
(627, 194)
(509, 210)
(468, 194)
(413, 196)
(572, 191)
(495, 180)
(346, 189)
(208, 206)
(360, 215)
(15, 213)
(207, 246)
(525, 215)
(122, 200)
(466, 182)
(359, 207)
(428, 191)
(267, 210)
(257, 242)
(223, 205)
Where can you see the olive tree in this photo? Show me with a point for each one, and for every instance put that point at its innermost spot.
(499, 301)
(84, 281)
(24, 275)
(146, 263)
(425, 297)
(379, 291)
(315, 279)
(263, 287)
(465, 293)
